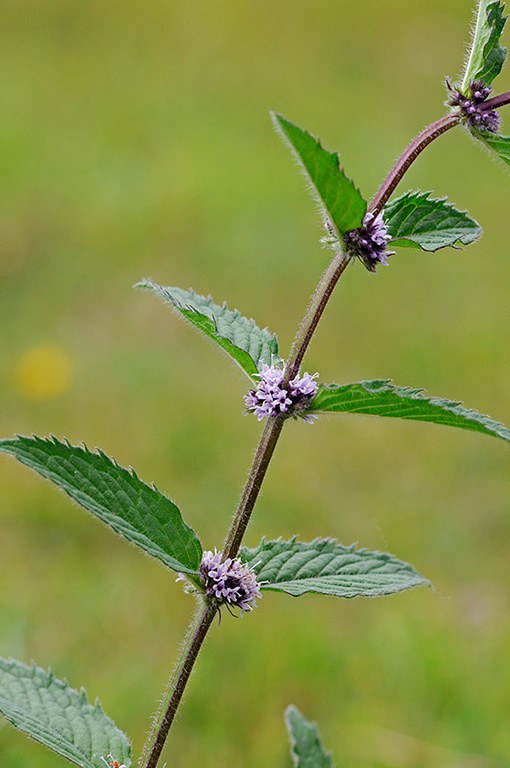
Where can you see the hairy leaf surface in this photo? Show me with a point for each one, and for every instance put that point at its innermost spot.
(341, 200)
(240, 337)
(306, 748)
(486, 55)
(416, 220)
(380, 398)
(59, 717)
(117, 496)
(329, 568)
(499, 144)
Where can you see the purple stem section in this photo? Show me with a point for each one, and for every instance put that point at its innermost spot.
(414, 149)
(495, 102)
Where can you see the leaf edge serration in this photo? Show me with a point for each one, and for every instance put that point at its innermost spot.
(318, 548)
(411, 240)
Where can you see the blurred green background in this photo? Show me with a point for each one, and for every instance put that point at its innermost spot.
(135, 141)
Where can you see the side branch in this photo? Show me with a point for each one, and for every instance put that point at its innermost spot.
(495, 102)
(414, 149)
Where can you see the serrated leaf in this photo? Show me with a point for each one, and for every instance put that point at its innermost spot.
(117, 496)
(499, 144)
(240, 337)
(329, 568)
(381, 398)
(339, 198)
(416, 220)
(486, 56)
(59, 717)
(306, 748)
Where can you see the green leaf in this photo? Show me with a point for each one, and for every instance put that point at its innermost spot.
(337, 195)
(246, 344)
(499, 144)
(329, 568)
(117, 496)
(380, 398)
(59, 717)
(419, 221)
(307, 750)
(486, 56)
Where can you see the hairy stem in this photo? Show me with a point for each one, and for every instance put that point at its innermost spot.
(269, 438)
(251, 490)
(314, 313)
(163, 720)
(268, 441)
(414, 149)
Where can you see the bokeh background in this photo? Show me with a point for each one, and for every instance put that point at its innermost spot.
(135, 141)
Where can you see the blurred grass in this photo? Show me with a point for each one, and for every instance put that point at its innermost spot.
(135, 141)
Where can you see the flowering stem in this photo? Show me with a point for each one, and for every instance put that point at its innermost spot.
(163, 720)
(268, 441)
(414, 149)
(269, 438)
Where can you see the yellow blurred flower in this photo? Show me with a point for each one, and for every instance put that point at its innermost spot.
(43, 372)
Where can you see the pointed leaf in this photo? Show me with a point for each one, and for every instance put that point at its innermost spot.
(337, 195)
(380, 398)
(486, 56)
(417, 220)
(307, 750)
(329, 568)
(246, 344)
(117, 496)
(499, 144)
(59, 717)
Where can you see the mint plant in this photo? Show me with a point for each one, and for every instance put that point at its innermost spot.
(231, 580)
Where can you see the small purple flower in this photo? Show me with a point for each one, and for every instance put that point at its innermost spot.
(470, 107)
(369, 241)
(229, 581)
(271, 399)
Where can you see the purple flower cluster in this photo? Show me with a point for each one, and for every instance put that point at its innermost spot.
(471, 109)
(369, 241)
(271, 399)
(230, 581)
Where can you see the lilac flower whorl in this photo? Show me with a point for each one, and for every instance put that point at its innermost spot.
(369, 241)
(270, 399)
(230, 581)
(470, 106)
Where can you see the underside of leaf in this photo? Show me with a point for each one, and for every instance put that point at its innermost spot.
(60, 717)
(248, 345)
(306, 748)
(498, 144)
